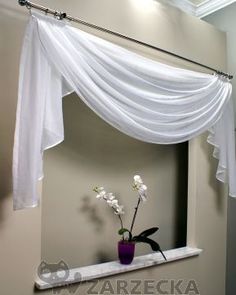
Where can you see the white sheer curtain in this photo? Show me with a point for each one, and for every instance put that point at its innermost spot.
(147, 100)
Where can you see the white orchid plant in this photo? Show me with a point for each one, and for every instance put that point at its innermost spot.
(118, 209)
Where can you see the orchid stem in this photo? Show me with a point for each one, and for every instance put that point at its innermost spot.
(121, 223)
(135, 213)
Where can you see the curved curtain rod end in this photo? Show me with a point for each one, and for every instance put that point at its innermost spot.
(22, 2)
(226, 75)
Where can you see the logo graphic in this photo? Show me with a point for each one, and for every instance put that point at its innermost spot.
(56, 274)
(53, 272)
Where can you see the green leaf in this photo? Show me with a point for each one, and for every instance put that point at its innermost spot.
(125, 230)
(154, 245)
(122, 231)
(149, 232)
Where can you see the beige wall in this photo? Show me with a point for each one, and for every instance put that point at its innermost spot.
(20, 232)
(224, 19)
(92, 154)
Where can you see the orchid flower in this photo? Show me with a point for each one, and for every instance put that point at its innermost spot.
(140, 187)
(110, 199)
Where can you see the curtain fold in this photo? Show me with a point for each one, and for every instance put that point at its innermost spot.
(142, 98)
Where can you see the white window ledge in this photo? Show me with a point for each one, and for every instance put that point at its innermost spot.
(96, 271)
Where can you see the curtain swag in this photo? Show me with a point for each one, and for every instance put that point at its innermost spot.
(142, 98)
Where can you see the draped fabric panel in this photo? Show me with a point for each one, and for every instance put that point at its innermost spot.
(142, 98)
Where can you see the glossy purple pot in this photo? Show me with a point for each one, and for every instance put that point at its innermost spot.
(126, 252)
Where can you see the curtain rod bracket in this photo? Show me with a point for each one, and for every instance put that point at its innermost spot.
(59, 15)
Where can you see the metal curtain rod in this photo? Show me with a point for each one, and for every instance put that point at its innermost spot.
(62, 15)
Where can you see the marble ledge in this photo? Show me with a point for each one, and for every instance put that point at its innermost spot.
(97, 271)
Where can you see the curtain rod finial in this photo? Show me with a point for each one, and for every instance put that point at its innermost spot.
(22, 2)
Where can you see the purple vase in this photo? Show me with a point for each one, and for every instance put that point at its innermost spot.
(126, 251)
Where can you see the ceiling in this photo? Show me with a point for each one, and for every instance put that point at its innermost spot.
(199, 8)
(196, 1)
